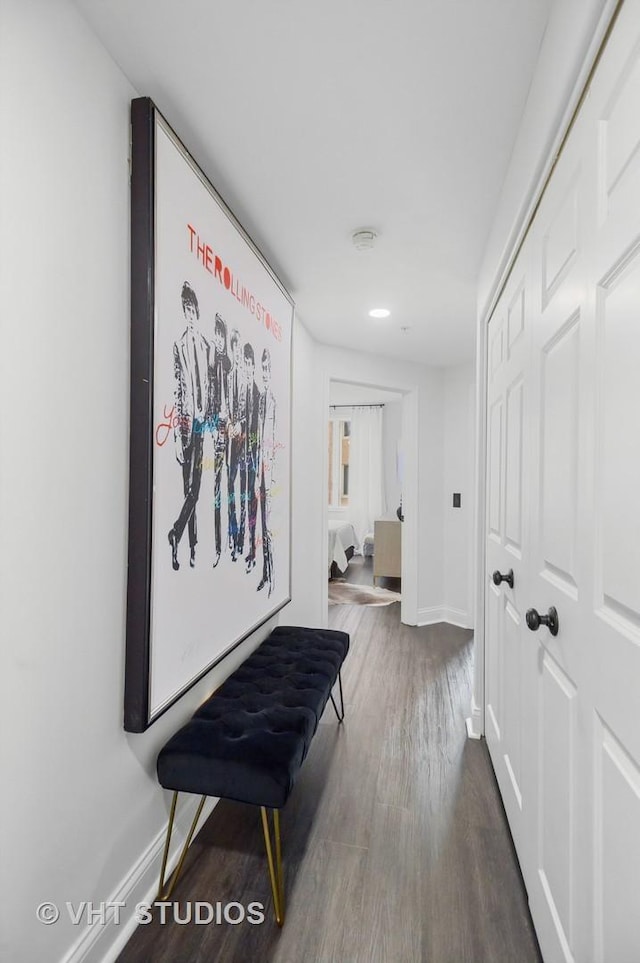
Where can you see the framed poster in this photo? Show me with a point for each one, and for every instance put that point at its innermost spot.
(210, 499)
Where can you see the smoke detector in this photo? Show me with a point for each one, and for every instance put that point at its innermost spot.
(364, 239)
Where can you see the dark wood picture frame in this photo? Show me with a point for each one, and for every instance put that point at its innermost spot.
(139, 709)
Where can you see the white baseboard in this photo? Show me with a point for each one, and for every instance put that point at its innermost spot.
(442, 613)
(430, 615)
(103, 942)
(475, 728)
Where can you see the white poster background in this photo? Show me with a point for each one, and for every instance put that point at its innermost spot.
(199, 613)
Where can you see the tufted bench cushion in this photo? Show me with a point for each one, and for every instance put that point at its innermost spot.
(248, 740)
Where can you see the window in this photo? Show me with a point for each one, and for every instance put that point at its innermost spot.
(339, 434)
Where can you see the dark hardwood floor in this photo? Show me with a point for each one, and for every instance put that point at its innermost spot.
(396, 848)
(360, 572)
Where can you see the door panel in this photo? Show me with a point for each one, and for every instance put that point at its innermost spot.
(512, 694)
(617, 853)
(494, 667)
(617, 371)
(560, 244)
(515, 318)
(559, 453)
(495, 471)
(496, 348)
(618, 121)
(513, 469)
(557, 698)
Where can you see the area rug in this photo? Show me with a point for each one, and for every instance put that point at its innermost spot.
(347, 593)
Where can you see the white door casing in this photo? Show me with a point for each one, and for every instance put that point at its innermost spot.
(570, 740)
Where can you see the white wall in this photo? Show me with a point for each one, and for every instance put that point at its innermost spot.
(82, 814)
(458, 476)
(567, 38)
(345, 393)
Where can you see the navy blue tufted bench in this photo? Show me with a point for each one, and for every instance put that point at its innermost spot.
(249, 739)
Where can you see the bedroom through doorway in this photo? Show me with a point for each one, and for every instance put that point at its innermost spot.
(364, 485)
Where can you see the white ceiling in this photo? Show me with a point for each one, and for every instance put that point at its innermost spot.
(315, 119)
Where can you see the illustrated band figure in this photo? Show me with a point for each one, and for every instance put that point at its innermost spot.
(190, 367)
(267, 450)
(236, 394)
(249, 463)
(218, 418)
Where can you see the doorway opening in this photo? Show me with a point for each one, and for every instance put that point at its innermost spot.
(366, 482)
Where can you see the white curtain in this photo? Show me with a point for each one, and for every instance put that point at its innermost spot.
(366, 477)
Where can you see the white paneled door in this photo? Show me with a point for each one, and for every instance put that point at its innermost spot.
(563, 512)
(508, 354)
(560, 514)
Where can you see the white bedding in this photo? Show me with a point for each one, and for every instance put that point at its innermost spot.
(342, 535)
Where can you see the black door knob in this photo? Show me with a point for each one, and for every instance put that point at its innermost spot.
(535, 620)
(499, 577)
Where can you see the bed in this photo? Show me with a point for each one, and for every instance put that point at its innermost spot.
(343, 542)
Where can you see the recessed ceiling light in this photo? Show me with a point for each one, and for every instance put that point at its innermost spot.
(379, 313)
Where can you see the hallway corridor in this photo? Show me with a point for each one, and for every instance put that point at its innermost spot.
(395, 844)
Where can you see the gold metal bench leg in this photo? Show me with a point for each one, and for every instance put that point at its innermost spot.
(280, 874)
(165, 893)
(165, 855)
(275, 871)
